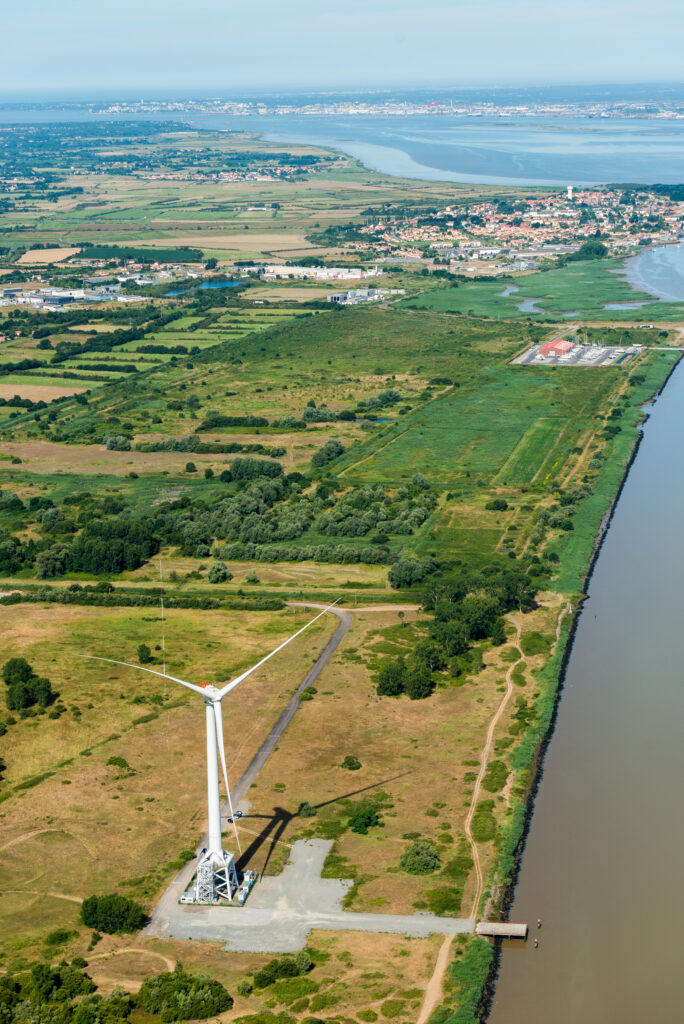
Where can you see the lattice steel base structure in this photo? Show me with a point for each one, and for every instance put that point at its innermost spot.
(216, 877)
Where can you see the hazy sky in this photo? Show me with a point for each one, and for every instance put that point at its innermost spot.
(148, 46)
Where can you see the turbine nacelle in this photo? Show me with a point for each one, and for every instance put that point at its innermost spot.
(211, 693)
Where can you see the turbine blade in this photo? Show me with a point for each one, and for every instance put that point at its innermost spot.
(218, 718)
(140, 668)
(231, 685)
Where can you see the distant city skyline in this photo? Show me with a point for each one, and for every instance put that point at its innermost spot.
(163, 46)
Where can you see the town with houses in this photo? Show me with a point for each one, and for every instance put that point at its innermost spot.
(524, 232)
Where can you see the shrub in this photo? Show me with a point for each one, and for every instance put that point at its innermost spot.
(484, 822)
(495, 776)
(392, 1008)
(59, 937)
(144, 654)
(244, 987)
(331, 450)
(307, 810)
(220, 573)
(363, 819)
(444, 901)
(177, 995)
(289, 989)
(303, 961)
(418, 684)
(351, 763)
(420, 858)
(190, 467)
(391, 678)
(497, 505)
(112, 914)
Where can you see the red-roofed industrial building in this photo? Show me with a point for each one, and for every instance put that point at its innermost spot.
(557, 347)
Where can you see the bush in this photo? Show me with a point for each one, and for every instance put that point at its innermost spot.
(419, 684)
(392, 1008)
(363, 819)
(144, 654)
(497, 505)
(177, 995)
(190, 467)
(444, 901)
(351, 763)
(112, 914)
(220, 573)
(420, 858)
(331, 450)
(484, 822)
(391, 678)
(290, 989)
(307, 810)
(495, 776)
(244, 987)
(409, 571)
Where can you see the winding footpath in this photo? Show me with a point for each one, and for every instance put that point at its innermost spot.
(433, 993)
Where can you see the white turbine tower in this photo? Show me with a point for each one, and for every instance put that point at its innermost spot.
(216, 874)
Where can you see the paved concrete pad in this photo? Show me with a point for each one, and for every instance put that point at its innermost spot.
(281, 911)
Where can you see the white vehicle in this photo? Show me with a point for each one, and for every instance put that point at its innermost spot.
(187, 897)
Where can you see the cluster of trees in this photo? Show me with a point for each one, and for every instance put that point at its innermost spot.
(65, 994)
(24, 688)
(330, 451)
(178, 995)
(467, 607)
(407, 572)
(284, 967)
(219, 420)
(75, 594)
(118, 443)
(414, 679)
(193, 444)
(368, 508)
(21, 364)
(340, 554)
(112, 914)
(113, 545)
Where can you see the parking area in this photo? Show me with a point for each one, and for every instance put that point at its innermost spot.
(568, 354)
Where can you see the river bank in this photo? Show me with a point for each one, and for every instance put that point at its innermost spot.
(579, 560)
(599, 804)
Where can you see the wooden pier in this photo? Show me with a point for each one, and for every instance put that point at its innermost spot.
(502, 929)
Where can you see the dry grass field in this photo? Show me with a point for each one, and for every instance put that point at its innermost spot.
(37, 392)
(43, 257)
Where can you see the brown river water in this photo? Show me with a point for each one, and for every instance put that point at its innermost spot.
(603, 860)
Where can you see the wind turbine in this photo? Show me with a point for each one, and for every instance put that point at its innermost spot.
(216, 874)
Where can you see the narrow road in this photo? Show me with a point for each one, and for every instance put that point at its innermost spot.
(270, 743)
(169, 900)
